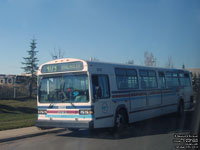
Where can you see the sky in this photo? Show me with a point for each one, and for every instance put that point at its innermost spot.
(109, 30)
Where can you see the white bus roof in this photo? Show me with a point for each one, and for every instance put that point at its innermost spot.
(88, 63)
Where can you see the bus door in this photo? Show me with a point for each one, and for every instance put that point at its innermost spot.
(103, 116)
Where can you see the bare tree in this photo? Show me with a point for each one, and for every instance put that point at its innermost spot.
(170, 63)
(149, 59)
(57, 54)
(183, 66)
(94, 59)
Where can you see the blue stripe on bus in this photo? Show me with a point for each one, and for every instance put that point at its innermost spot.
(136, 90)
(156, 96)
(46, 107)
(142, 97)
(70, 116)
(118, 92)
(170, 94)
(67, 107)
(139, 90)
(127, 98)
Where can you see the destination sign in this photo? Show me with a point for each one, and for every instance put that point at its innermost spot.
(62, 67)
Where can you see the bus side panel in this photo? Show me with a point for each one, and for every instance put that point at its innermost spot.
(145, 114)
(138, 103)
(151, 107)
(186, 94)
(103, 116)
(169, 100)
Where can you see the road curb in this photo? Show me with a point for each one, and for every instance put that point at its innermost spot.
(30, 135)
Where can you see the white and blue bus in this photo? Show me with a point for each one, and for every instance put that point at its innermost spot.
(74, 93)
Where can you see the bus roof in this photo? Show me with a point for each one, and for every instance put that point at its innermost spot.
(88, 63)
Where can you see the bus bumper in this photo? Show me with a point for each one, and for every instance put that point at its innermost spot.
(63, 124)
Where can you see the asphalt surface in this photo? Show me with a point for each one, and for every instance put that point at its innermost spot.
(152, 134)
(21, 133)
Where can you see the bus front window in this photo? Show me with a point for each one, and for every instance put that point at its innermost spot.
(64, 89)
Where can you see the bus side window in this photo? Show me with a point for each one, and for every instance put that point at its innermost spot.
(121, 78)
(162, 81)
(126, 78)
(187, 79)
(148, 79)
(152, 79)
(172, 79)
(184, 79)
(144, 79)
(101, 88)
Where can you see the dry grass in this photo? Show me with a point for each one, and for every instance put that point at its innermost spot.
(17, 114)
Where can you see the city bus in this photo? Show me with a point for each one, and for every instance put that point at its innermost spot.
(75, 93)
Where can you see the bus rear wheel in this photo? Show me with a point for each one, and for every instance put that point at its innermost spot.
(120, 121)
(73, 129)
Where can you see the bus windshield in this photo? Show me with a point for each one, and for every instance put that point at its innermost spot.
(63, 89)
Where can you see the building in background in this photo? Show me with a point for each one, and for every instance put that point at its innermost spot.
(194, 71)
(7, 79)
(10, 79)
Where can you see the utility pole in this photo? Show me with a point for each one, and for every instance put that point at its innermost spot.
(14, 95)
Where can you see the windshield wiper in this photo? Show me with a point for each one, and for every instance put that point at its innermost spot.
(71, 102)
(51, 105)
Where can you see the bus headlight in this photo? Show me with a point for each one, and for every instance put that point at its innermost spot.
(86, 112)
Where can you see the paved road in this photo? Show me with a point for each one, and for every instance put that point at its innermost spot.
(152, 134)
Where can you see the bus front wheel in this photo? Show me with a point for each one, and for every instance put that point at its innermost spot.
(121, 120)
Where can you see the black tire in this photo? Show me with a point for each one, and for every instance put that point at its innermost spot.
(73, 129)
(121, 121)
(44, 128)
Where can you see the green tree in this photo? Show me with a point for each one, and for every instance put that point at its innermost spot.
(31, 66)
(195, 82)
(198, 82)
(196, 85)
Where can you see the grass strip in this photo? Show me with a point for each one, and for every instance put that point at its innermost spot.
(17, 114)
